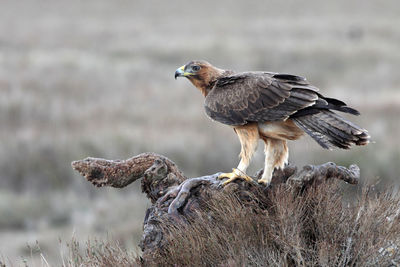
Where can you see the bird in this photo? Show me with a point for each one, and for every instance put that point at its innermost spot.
(273, 107)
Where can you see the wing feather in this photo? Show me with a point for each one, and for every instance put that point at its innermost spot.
(258, 97)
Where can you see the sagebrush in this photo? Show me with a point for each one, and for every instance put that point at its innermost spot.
(318, 227)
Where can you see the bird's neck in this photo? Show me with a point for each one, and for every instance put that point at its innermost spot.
(206, 84)
(205, 88)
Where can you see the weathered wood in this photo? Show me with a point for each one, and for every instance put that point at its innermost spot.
(158, 172)
(175, 197)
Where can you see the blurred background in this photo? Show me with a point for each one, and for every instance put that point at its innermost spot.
(95, 78)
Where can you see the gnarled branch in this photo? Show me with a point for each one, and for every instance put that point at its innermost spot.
(158, 172)
(175, 197)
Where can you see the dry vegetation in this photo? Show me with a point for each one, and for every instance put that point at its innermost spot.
(315, 228)
(95, 78)
(99, 253)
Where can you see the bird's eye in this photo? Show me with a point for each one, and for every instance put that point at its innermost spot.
(196, 68)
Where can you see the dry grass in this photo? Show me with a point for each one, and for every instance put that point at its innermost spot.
(315, 229)
(99, 253)
(95, 78)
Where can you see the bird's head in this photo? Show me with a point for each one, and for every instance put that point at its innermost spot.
(201, 73)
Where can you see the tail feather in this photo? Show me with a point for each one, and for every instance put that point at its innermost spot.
(334, 136)
(331, 130)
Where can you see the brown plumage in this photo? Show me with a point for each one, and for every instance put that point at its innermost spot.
(273, 107)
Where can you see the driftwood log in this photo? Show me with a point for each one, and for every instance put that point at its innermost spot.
(175, 197)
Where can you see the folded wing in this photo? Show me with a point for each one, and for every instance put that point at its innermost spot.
(258, 97)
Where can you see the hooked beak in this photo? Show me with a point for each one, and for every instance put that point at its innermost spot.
(180, 72)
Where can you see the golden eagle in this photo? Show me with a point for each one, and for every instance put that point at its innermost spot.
(274, 107)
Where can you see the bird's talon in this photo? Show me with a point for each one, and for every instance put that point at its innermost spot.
(235, 174)
(228, 181)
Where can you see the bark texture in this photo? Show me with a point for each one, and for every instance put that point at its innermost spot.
(176, 198)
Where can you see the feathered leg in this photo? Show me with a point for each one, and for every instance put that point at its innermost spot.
(276, 156)
(248, 137)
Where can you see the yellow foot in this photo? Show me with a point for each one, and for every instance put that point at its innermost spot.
(235, 174)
